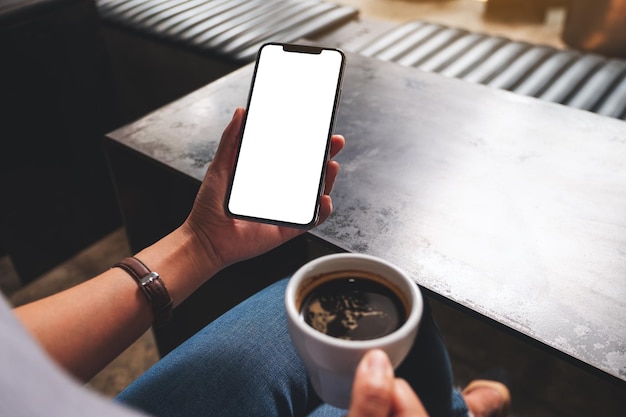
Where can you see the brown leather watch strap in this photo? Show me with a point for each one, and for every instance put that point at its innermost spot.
(152, 285)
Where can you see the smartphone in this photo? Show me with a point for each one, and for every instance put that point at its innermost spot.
(285, 142)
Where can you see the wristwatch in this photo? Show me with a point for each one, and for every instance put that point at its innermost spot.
(152, 286)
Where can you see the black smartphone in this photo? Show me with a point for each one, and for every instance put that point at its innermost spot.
(281, 162)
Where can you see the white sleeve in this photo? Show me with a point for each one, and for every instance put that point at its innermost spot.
(32, 385)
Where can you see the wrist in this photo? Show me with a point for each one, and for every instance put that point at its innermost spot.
(182, 261)
(200, 250)
(152, 286)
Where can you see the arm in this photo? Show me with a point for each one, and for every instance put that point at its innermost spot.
(87, 326)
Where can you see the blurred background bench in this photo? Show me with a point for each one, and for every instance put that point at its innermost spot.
(163, 49)
(583, 80)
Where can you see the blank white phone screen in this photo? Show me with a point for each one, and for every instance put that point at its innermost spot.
(282, 156)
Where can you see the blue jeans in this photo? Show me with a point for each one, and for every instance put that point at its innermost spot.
(244, 364)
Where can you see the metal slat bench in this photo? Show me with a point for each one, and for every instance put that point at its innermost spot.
(231, 29)
(585, 81)
(161, 50)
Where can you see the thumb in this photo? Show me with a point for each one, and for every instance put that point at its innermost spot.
(372, 393)
(227, 149)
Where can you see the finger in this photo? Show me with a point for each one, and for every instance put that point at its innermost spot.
(337, 143)
(373, 385)
(326, 208)
(227, 149)
(405, 401)
(332, 170)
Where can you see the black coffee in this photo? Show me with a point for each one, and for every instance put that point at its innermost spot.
(349, 305)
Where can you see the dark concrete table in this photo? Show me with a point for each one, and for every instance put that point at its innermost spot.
(508, 206)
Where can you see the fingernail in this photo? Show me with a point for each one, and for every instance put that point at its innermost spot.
(378, 362)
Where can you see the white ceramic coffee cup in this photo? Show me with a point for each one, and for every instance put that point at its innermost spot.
(332, 362)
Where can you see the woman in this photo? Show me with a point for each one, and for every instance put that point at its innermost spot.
(233, 366)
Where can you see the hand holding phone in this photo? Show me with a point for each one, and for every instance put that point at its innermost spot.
(279, 170)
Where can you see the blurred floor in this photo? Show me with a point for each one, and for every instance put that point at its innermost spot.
(542, 384)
